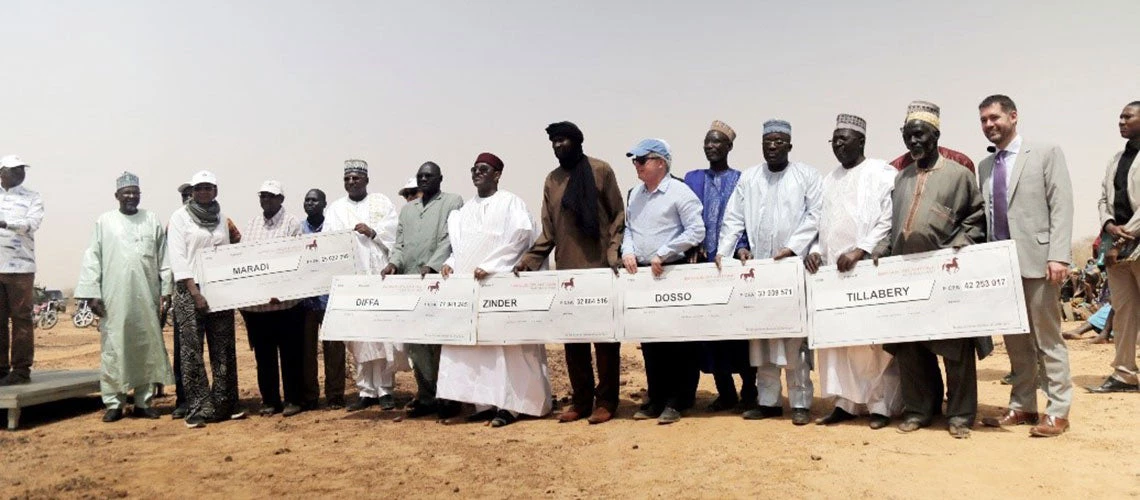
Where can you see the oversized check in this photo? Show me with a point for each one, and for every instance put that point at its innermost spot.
(401, 308)
(932, 295)
(760, 299)
(250, 274)
(547, 307)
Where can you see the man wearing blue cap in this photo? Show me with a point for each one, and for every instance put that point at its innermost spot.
(662, 222)
(125, 277)
(777, 204)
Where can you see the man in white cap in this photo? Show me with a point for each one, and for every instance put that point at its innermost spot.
(662, 222)
(374, 219)
(21, 212)
(193, 228)
(856, 217)
(125, 277)
(777, 204)
(410, 191)
(276, 329)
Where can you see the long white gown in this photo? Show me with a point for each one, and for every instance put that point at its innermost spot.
(492, 233)
(857, 214)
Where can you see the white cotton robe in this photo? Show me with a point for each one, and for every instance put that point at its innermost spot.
(492, 233)
(776, 210)
(857, 214)
(378, 212)
(125, 266)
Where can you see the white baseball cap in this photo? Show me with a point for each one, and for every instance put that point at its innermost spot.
(272, 187)
(204, 177)
(12, 161)
(411, 184)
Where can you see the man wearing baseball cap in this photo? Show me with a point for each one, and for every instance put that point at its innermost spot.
(21, 212)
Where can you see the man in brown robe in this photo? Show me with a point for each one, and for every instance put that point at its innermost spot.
(583, 214)
(937, 204)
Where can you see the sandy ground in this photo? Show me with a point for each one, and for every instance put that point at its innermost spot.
(64, 450)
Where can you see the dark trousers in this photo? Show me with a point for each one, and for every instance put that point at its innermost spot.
(334, 362)
(672, 373)
(425, 366)
(17, 344)
(210, 399)
(274, 336)
(921, 380)
(728, 357)
(579, 365)
(179, 390)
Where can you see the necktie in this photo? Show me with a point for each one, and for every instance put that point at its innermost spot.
(1001, 198)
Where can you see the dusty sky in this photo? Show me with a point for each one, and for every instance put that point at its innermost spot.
(287, 90)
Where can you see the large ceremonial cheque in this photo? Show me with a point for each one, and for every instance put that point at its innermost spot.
(250, 274)
(401, 308)
(757, 300)
(926, 296)
(547, 307)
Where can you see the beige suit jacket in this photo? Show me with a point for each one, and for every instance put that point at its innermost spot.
(1108, 197)
(1040, 206)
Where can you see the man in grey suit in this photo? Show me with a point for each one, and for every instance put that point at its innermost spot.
(1029, 199)
(1120, 218)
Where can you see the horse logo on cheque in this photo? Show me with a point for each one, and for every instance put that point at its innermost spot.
(951, 266)
(750, 275)
(434, 288)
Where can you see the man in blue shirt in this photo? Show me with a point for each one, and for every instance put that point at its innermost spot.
(713, 186)
(315, 202)
(663, 221)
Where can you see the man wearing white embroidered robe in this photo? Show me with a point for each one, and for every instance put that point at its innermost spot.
(373, 217)
(856, 217)
(778, 203)
(489, 235)
(664, 219)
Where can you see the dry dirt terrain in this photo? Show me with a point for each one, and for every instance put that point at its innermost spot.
(64, 450)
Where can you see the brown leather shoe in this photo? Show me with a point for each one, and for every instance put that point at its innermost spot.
(600, 416)
(1051, 427)
(1011, 417)
(569, 415)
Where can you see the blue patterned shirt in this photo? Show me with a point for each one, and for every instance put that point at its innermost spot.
(714, 188)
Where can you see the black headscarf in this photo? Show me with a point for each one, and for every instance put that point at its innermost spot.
(581, 196)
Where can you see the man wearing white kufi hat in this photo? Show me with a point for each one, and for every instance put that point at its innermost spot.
(125, 276)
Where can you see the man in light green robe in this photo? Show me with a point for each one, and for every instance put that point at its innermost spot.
(125, 277)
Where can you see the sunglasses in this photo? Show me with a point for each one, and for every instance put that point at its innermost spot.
(642, 160)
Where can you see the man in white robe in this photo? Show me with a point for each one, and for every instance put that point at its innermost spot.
(778, 204)
(374, 218)
(124, 275)
(489, 235)
(856, 217)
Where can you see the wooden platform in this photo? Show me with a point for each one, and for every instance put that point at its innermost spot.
(47, 386)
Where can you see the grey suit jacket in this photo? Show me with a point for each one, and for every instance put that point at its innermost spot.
(1040, 206)
(1108, 197)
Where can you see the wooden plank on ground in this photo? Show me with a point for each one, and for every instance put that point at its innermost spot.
(45, 387)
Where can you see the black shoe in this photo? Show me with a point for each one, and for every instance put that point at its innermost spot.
(180, 413)
(291, 409)
(647, 411)
(387, 402)
(113, 415)
(416, 409)
(148, 412)
(362, 403)
(448, 409)
(335, 403)
(722, 404)
(503, 417)
(763, 412)
(482, 416)
(195, 422)
(879, 421)
(1112, 385)
(801, 416)
(269, 410)
(837, 415)
(15, 378)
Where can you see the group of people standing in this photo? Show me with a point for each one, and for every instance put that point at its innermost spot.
(928, 199)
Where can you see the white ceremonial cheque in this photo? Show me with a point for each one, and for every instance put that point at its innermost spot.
(401, 308)
(248, 274)
(759, 299)
(547, 307)
(943, 294)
